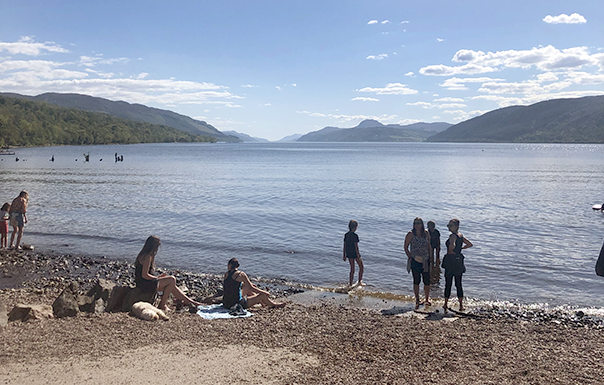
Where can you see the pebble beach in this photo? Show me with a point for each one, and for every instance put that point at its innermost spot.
(317, 343)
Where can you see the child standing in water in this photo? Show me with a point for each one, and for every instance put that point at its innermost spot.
(435, 253)
(351, 251)
(4, 217)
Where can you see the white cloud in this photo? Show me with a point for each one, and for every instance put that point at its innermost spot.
(461, 115)
(381, 56)
(248, 86)
(362, 99)
(91, 61)
(390, 89)
(345, 119)
(546, 58)
(450, 100)
(443, 70)
(410, 74)
(547, 77)
(459, 84)
(386, 22)
(575, 18)
(422, 105)
(372, 22)
(439, 39)
(404, 22)
(27, 46)
(142, 75)
(442, 106)
(278, 88)
(294, 85)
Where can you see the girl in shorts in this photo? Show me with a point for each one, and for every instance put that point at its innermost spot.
(4, 217)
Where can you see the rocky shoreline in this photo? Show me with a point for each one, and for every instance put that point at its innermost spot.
(314, 344)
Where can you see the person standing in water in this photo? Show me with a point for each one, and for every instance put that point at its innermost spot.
(434, 253)
(351, 251)
(453, 262)
(417, 248)
(18, 218)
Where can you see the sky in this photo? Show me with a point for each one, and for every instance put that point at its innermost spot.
(275, 68)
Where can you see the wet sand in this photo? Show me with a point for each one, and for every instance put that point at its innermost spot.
(317, 343)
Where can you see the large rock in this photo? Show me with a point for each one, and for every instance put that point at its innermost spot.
(102, 289)
(28, 312)
(115, 302)
(135, 295)
(67, 303)
(3, 314)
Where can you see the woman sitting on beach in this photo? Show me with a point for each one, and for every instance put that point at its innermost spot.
(148, 283)
(417, 248)
(453, 262)
(18, 219)
(239, 290)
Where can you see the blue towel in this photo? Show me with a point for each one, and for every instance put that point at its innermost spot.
(218, 312)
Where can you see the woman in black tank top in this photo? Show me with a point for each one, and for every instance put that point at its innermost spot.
(149, 283)
(239, 290)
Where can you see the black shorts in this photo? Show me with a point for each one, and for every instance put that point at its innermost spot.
(242, 302)
(419, 274)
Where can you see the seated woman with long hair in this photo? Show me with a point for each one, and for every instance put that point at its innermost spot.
(239, 290)
(149, 283)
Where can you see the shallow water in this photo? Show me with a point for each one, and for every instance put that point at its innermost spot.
(283, 209)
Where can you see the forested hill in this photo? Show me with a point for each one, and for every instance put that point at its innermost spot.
(578, 120)
(31, 123)
(126, 110)
(374, 131)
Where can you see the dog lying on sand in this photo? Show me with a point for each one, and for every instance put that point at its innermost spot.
(148, 312)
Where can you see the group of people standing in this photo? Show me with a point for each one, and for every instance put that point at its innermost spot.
(13, 214)
(422, 248)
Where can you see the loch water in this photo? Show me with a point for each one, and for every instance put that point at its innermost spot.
(282, 209)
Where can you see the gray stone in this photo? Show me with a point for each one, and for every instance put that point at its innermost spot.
(135, 295)
(3, 314)
(115, 301)
(27, 312)
(67, 303)
(86, 303)
(102, 289)
(99, 306)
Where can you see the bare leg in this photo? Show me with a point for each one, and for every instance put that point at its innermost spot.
(361, 269)
(264, 300)
(19, 235)
(351, 275)
(461, 308)
(12, 237)
(427, 292)
(167, 284)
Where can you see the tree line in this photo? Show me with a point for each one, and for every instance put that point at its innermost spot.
(31, 123)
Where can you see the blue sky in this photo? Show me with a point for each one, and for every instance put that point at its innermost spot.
(275, 68)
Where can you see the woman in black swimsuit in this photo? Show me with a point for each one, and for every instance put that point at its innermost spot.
(148, 283)
(453, 262)
(239, 290)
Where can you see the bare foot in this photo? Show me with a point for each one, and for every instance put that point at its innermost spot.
(428, 303)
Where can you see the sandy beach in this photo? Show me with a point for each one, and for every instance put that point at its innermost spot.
(320, 343)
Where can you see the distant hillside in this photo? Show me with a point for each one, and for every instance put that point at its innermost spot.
(136, 112)
(290, 138)
(245, 137)
(374, 131)
(578, 120)
(32, 123)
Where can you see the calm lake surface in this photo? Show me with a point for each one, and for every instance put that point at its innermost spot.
(283, 209)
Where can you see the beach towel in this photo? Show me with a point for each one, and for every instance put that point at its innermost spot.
(219, 312)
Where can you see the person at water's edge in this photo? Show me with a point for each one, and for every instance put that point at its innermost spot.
(417, 248)
(453, 262)
(351, 251)
(239, 290)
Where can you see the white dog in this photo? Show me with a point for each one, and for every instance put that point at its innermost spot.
(148, 312)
